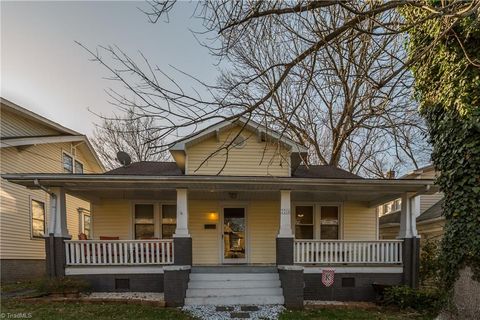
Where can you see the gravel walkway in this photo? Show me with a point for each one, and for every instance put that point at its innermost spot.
(270, 312)
(137, 296)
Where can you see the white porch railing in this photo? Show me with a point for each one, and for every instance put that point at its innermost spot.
(346, 251)
(118, 252)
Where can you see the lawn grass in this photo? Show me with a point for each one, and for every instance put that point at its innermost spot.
(353, 314)
(79, 310)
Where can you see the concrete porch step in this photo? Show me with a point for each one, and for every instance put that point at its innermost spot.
(233, 276)
(210, 284)
(223, 292)
(235, 300)
(234, 269)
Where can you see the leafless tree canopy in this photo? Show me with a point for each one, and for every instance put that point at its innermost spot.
(329, 74)
(131, 133)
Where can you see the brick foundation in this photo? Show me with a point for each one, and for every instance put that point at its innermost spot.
(176, 283)
(13, 270)
(347, 286)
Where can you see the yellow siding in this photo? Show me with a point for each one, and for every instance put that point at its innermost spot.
(263, 224)
(15, 238)
(112, 218)
(359, 221)
(254, 159)
(389, 233)
(13, 125)
(205, 242)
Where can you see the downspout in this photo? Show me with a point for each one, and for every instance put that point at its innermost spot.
(51, 243)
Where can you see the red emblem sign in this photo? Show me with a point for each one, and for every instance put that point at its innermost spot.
(328, 277)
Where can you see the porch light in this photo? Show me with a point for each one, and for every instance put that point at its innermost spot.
(213, 216)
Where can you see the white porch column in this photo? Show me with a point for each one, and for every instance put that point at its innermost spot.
(285, 215)
(409, 212)
(182, 214)
(58, 214)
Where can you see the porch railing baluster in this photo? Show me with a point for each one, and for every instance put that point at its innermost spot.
(121, 252)
(345, 251)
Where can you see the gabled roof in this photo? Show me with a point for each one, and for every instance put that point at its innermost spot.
(178, 148)
(65, 134)
(434, 212)
(14, 108)
(243, 121)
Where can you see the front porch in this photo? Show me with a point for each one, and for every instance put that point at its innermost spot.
(149, 233)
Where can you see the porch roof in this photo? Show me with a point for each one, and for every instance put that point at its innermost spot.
(89, 186)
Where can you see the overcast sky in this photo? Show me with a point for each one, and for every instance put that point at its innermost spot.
(43, 70)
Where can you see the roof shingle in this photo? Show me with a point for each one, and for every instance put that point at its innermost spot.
(156, 168)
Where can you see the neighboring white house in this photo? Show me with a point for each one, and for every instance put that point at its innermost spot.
(429, 221)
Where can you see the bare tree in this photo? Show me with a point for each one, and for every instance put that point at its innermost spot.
(332, 103)
(132, 133)
(332, 72)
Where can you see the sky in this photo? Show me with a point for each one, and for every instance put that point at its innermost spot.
(45, 71)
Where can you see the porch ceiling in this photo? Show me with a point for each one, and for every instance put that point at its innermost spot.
(94, 187)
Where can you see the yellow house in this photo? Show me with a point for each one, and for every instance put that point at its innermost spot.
(429, 219)
(31, 143)
(237, 218)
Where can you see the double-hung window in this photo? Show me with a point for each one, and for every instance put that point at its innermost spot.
(67, 163)
(71, 164)
(304, 226)
(329, 222)
(38, 218)
(144, 220)
(169, 220)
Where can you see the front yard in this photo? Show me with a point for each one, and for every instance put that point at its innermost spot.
(14, 308)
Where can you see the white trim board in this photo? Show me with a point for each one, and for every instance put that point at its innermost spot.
(70, 271)
(393, 269)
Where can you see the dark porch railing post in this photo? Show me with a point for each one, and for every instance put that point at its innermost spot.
(55, 255)
(57, 234)
(411, 261)
(411, 242)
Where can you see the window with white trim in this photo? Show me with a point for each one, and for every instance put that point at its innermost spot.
(304, 226)
(38, 218)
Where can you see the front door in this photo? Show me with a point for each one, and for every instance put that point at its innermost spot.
(234, 235)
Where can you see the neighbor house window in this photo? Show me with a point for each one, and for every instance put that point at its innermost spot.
(329, 222)
(304, 222)
(87, 225)
(67, 163)
(144, 221)
(78, 167)
(169, 220)
(38, 219)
